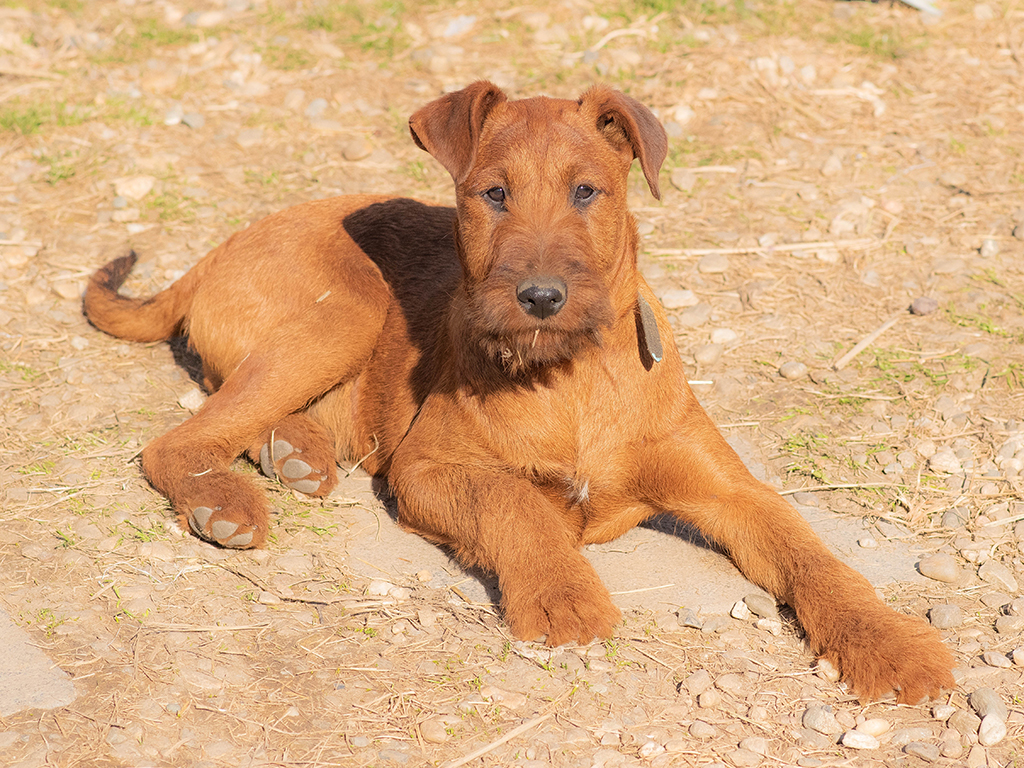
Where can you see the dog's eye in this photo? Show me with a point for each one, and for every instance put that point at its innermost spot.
(495, 195)
(585, 193)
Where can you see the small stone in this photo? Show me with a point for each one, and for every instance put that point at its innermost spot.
(907, 735)
(977, 758)
(193, 120)
(1010, 625)
(357, 149)
(943, 711)
(174, 115)
(713, 264)
(925, 751)
(702, 730)
(923, 305)
(793, 370)
(953, 518)
(678, 298)
(762, 605)
(694, 316)
(820, 718)
(945, 616)
(967, 723)
(1018, 232)
(710, 699)
(944, 460)
(134, 187)
(949, 744)
(992, 730)
(192, 400)
(740, 611)
(698, 682)
(756, 744)
(687, 618)
(744, 758)
(940, 567)
(379, 588)
(832, 166)
(723, 336)
(867, 543)
(997, 659)
(424, 576)
(858, 740)
(315, 108)
(1018, 657)
(876, 726)
(708, 354)
(682, 179)
(733, 683)
(294, 98)
(996, 573)
(985, 701)
(774, 626)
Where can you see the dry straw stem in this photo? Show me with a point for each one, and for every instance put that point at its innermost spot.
(866, 342)
(495, 744)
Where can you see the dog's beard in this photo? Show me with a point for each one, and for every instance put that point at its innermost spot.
(531, 350)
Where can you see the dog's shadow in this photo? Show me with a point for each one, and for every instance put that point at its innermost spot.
(663, 523)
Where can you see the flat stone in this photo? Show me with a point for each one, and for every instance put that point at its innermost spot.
(940, 567)
(945, 616)
(875, 726)
(1010, 625)
(678, 298)
(925, 751)
(702, 730)
(713, 264)
(820, 718)
(992, 730)
(762, 605)
(793, 370)
(996, 573)
(694, 316)
(858, 740)
(985, 701)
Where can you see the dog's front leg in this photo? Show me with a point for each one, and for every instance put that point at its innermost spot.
(699, 478)
(506, 525)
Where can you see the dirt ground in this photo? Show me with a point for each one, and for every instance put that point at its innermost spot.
(830, 163)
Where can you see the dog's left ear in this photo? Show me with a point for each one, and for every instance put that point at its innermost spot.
(629, 125)
(449, 128)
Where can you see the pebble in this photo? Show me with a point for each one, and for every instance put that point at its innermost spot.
(940, 567)
(867, 543)
(708, 354)
(944, 460)
(949, 744)
(820, 718)
(740, 611)
(710, 699)
(997, 659)
(733, 683)
(687, 618)
(698, 682)
(996, 573)
(756, 744)
(682, 179)
(1010, 625)
(702, 730)
(315, 108)
(859, 740)
(678, 298)
(1018, 657)
(743, 758)
(925, 751)
(713, 264)
(943, 711)
(945, 616)
(193, 120)
(357, 149)
(992, 730)
(379, 588)
(174, 115)
(723, 336)
(694, 316)
(967, 723)
(923, 305)
(793, 370)
(985, 701)
(762, 605)
(876, 726)
(977, 758)
(134, 187)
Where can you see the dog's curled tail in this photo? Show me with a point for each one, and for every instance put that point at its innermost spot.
(157, 318)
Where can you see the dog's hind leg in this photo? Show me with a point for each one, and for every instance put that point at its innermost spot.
(699, 478)
(300, 453)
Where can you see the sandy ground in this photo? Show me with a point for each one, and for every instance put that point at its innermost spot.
(830, 163)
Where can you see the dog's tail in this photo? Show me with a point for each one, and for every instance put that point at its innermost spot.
(157, 318)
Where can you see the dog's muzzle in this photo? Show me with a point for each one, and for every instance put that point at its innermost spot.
(542, 297)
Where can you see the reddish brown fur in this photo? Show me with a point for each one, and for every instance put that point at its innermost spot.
(386, 330)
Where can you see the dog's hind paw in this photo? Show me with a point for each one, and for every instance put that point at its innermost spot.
(206, 524)
(281, 460)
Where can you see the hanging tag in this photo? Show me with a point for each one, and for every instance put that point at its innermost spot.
(649, 329)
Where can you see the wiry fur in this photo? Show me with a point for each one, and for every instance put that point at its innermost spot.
(387, 330)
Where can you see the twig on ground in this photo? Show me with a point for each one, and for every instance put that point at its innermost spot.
(866, 342)
(495, 744)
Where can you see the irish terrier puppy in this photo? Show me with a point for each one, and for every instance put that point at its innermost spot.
(504, 366)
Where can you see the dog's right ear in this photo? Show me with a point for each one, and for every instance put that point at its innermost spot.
(449, 128)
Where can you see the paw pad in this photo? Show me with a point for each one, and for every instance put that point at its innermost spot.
(223, 532)
(294, 472)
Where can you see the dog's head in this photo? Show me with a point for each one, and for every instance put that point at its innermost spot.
(547, 244)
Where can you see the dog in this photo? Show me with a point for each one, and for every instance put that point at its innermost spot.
(503, 366)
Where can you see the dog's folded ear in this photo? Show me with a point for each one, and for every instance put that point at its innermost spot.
(629, 126)
(449, 128)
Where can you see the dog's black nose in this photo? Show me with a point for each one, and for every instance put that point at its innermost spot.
(541, 297)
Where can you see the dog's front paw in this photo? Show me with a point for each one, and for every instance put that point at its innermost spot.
(309, 469)
(574, 609)
(885, 651)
